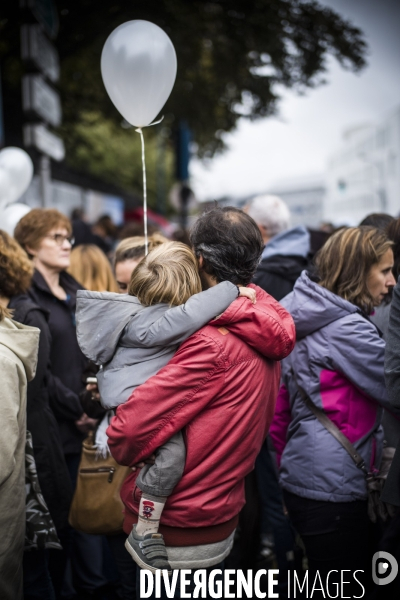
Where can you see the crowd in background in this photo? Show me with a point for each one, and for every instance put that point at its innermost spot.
(303, 507)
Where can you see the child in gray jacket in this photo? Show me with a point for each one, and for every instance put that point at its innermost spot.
(131, 338)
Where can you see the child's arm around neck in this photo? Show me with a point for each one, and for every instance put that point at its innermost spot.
(177, 324)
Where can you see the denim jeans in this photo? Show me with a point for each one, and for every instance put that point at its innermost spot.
(37, 580)
(85, 553)
(125, 565)
(335, 536)
(273, 518)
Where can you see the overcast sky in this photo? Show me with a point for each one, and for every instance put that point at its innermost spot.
(298, 142)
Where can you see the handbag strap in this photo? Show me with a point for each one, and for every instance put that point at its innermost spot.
(333, 430)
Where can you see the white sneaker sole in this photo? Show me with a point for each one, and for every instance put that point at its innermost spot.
(139, 561)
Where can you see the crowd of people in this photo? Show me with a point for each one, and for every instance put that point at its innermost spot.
(240, 395)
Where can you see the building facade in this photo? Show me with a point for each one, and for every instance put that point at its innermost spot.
(66, 197)
(363, 176)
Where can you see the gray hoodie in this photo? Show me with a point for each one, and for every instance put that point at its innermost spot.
(132, 342)
(291, 242)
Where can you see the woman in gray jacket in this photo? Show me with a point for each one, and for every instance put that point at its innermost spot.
(337, 366)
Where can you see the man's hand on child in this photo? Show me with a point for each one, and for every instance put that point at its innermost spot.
(249, 293)
(92, 387)
(149, 461)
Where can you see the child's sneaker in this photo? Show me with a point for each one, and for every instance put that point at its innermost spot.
(148, 551)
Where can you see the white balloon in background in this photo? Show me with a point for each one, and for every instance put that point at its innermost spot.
(138, 66)
(5, 185)
(19, 168)
(11, 214)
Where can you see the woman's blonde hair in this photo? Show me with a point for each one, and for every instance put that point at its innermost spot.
(167, 275)
(92, 269)
(134, 248)
(345, 261)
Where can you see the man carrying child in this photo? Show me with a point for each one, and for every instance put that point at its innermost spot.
(219, 389)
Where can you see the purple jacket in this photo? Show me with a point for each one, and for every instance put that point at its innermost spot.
(339, 361)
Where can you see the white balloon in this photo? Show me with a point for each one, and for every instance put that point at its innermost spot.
(138, 66)
(11, 214)
(5, 184)
(19, 168)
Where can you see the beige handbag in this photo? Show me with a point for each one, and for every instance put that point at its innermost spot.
(96, 506)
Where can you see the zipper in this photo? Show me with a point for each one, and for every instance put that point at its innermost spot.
(110, 470)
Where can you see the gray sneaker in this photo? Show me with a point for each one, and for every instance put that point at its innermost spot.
(148, 551)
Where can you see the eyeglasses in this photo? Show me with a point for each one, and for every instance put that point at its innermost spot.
(59, 238)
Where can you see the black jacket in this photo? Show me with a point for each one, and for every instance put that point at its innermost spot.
(278, 274)
(67, 360)
(51, 467)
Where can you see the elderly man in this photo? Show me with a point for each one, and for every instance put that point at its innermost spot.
(285, 255)
(286, 250)
(220, 390)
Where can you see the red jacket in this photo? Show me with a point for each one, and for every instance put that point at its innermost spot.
(220, 388)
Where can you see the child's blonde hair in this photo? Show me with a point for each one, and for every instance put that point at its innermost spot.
(168, 274)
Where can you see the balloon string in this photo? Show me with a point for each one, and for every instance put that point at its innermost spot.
(154, 122)
(146, 242)
(140, 132)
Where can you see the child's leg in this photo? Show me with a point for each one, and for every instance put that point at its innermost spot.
(157, 482)
(150, 509)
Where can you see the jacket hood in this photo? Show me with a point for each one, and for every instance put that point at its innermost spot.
(266, 326)
(292, 242)
(23, 341)
(100, 320)
(313, 307)
(287, 267)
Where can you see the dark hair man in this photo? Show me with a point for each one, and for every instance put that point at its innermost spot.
(220, 390)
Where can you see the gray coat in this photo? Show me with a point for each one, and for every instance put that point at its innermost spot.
(132, 342)
(391, 492)
(390, 422)
(392, 355)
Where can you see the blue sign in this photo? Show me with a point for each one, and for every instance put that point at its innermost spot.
(183, 151)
